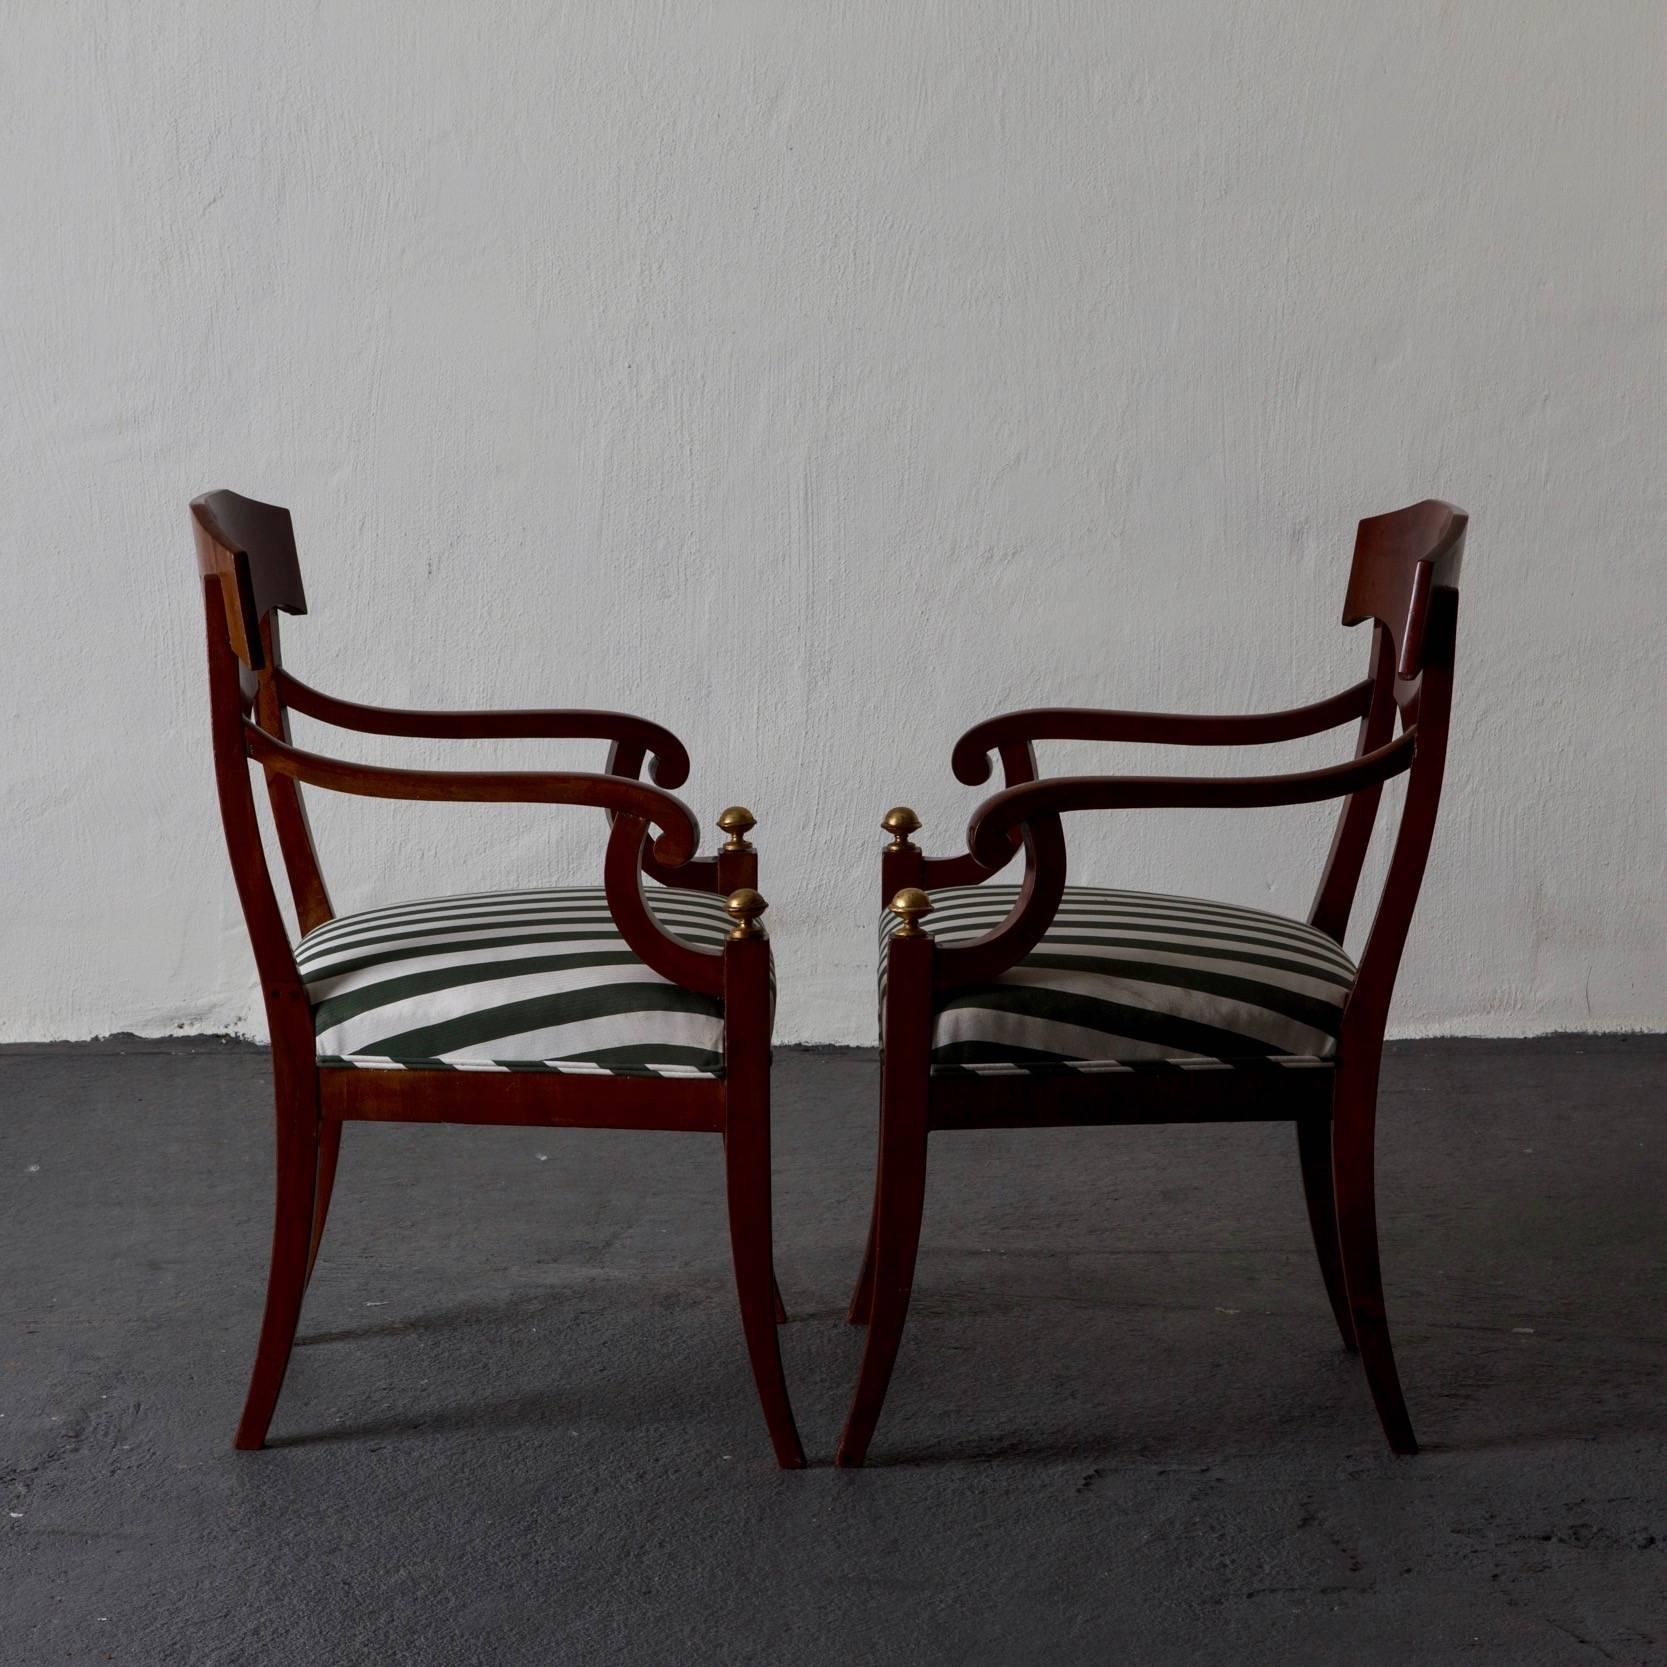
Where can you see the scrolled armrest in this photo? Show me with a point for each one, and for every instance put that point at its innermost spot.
(670, 766)
(990, 832)
(678, 841)
(971, 756)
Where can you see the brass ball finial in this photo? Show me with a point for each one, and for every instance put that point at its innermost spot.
(900, 822)
(909, 905)
(737, 822)
(744, 907)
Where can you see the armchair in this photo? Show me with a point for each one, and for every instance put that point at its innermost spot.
(615, 1007)
(1045, 1003)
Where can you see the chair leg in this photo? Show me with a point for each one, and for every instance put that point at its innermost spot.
(1314, 1148)
(329, 1152)
(780, 1307)
(899, 1204)
(747, 1169)
(292, 1233)
(862, 1298)
(1357, 1231)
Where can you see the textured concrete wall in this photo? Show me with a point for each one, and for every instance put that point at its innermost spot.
(817, 379)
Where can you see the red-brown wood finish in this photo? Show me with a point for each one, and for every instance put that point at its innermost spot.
(250, 572)
(1404, 581)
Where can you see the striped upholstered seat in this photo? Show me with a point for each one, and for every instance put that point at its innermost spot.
(1130, 978)
(511, 980)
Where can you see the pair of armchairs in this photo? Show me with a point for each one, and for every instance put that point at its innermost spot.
(1030, 1004)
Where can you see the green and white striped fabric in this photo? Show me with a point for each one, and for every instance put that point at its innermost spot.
(512, 981)
(1128, 979)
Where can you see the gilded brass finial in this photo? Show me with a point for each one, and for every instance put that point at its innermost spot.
(737, 822)
(909, 905)
(744, 907)
(900, 822)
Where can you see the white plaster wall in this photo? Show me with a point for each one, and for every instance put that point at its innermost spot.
(817, 378)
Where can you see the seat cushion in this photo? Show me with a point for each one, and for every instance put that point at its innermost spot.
(512, 981)
(1127, 978)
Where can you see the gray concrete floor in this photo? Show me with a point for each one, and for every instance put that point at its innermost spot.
(519, 1426)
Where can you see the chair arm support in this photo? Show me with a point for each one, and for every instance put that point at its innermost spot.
(679, 837)
(990, 831)
(971, 756)
(671, 758)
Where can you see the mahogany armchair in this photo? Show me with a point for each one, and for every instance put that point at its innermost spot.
(618, 1007)
(1049, 1004)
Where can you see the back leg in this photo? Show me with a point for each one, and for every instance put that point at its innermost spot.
(292, 1234)
(1357, 1230)
(1314, 1148)
(862, 1298)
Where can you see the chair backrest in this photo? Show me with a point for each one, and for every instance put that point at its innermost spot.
(249, 548)
(246, 556)
(1405, 580)
(1406, 577)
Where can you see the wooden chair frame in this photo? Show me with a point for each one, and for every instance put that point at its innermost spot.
(1404, 579)
(250, 572)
